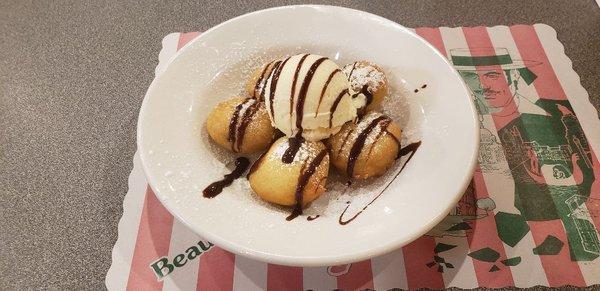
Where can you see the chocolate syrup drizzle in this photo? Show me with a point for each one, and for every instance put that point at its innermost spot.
(276, 72)
(410, 150)
(237, 126)
(294, 81)
(294, 145)
(365, 91)
(422, 87)
(296, 141)
(304, 89)
(335, 104)
(339, 151)
(359, 143)
(336, 71)
(306, 172)
(261, 82)
(300, 102)
(352, 71)
(397, 143)
(246, 119)
(384, 125)
(256, 164)
(233, 124)
(241, 164)
(237, 132)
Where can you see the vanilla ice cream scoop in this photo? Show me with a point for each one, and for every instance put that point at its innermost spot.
(309, 95)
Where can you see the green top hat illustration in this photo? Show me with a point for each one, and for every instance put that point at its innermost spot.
(489, 59)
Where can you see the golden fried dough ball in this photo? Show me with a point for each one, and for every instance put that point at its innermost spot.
(367, 148)
(241, 125)
(278, 182)
(369, 79)
(258, 79)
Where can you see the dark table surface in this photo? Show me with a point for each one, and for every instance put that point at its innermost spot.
(73, 75)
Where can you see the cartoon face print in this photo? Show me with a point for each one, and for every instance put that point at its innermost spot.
(472, 80)
(495, 89)
(491, 88)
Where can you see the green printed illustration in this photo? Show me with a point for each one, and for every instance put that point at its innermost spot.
(165, 266)
(485, 254)
(468, 209)
(537, 143)
(438, 260)
(551, 164)
(442, 247)
(459, 226)
(494, 79)
(511, 227)
(512, 261)
(550, 246)
(491, 256)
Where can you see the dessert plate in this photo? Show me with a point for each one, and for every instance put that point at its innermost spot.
(180, 160)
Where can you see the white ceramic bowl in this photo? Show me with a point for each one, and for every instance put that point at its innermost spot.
(180, 161)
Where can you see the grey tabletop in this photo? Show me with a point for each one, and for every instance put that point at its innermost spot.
(73, 75)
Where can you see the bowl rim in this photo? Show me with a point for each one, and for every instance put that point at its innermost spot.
(367, 253)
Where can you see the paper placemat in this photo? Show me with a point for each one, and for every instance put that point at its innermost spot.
(530, 216)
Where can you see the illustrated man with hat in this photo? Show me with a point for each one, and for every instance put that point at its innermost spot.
(494, 80)
(549, 158)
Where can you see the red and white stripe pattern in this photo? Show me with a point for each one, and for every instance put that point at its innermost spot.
(147, 231)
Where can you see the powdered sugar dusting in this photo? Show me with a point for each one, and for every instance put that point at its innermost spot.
(307, 151)
(361, 127)
(355, 196)
(397, 106)
(247, 103)
(362, 73)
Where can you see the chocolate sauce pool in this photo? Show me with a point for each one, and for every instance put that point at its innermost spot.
(214, 189)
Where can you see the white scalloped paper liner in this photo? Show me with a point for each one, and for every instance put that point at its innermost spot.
(122, 253)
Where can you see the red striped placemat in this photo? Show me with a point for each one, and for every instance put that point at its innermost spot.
(530, 216)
